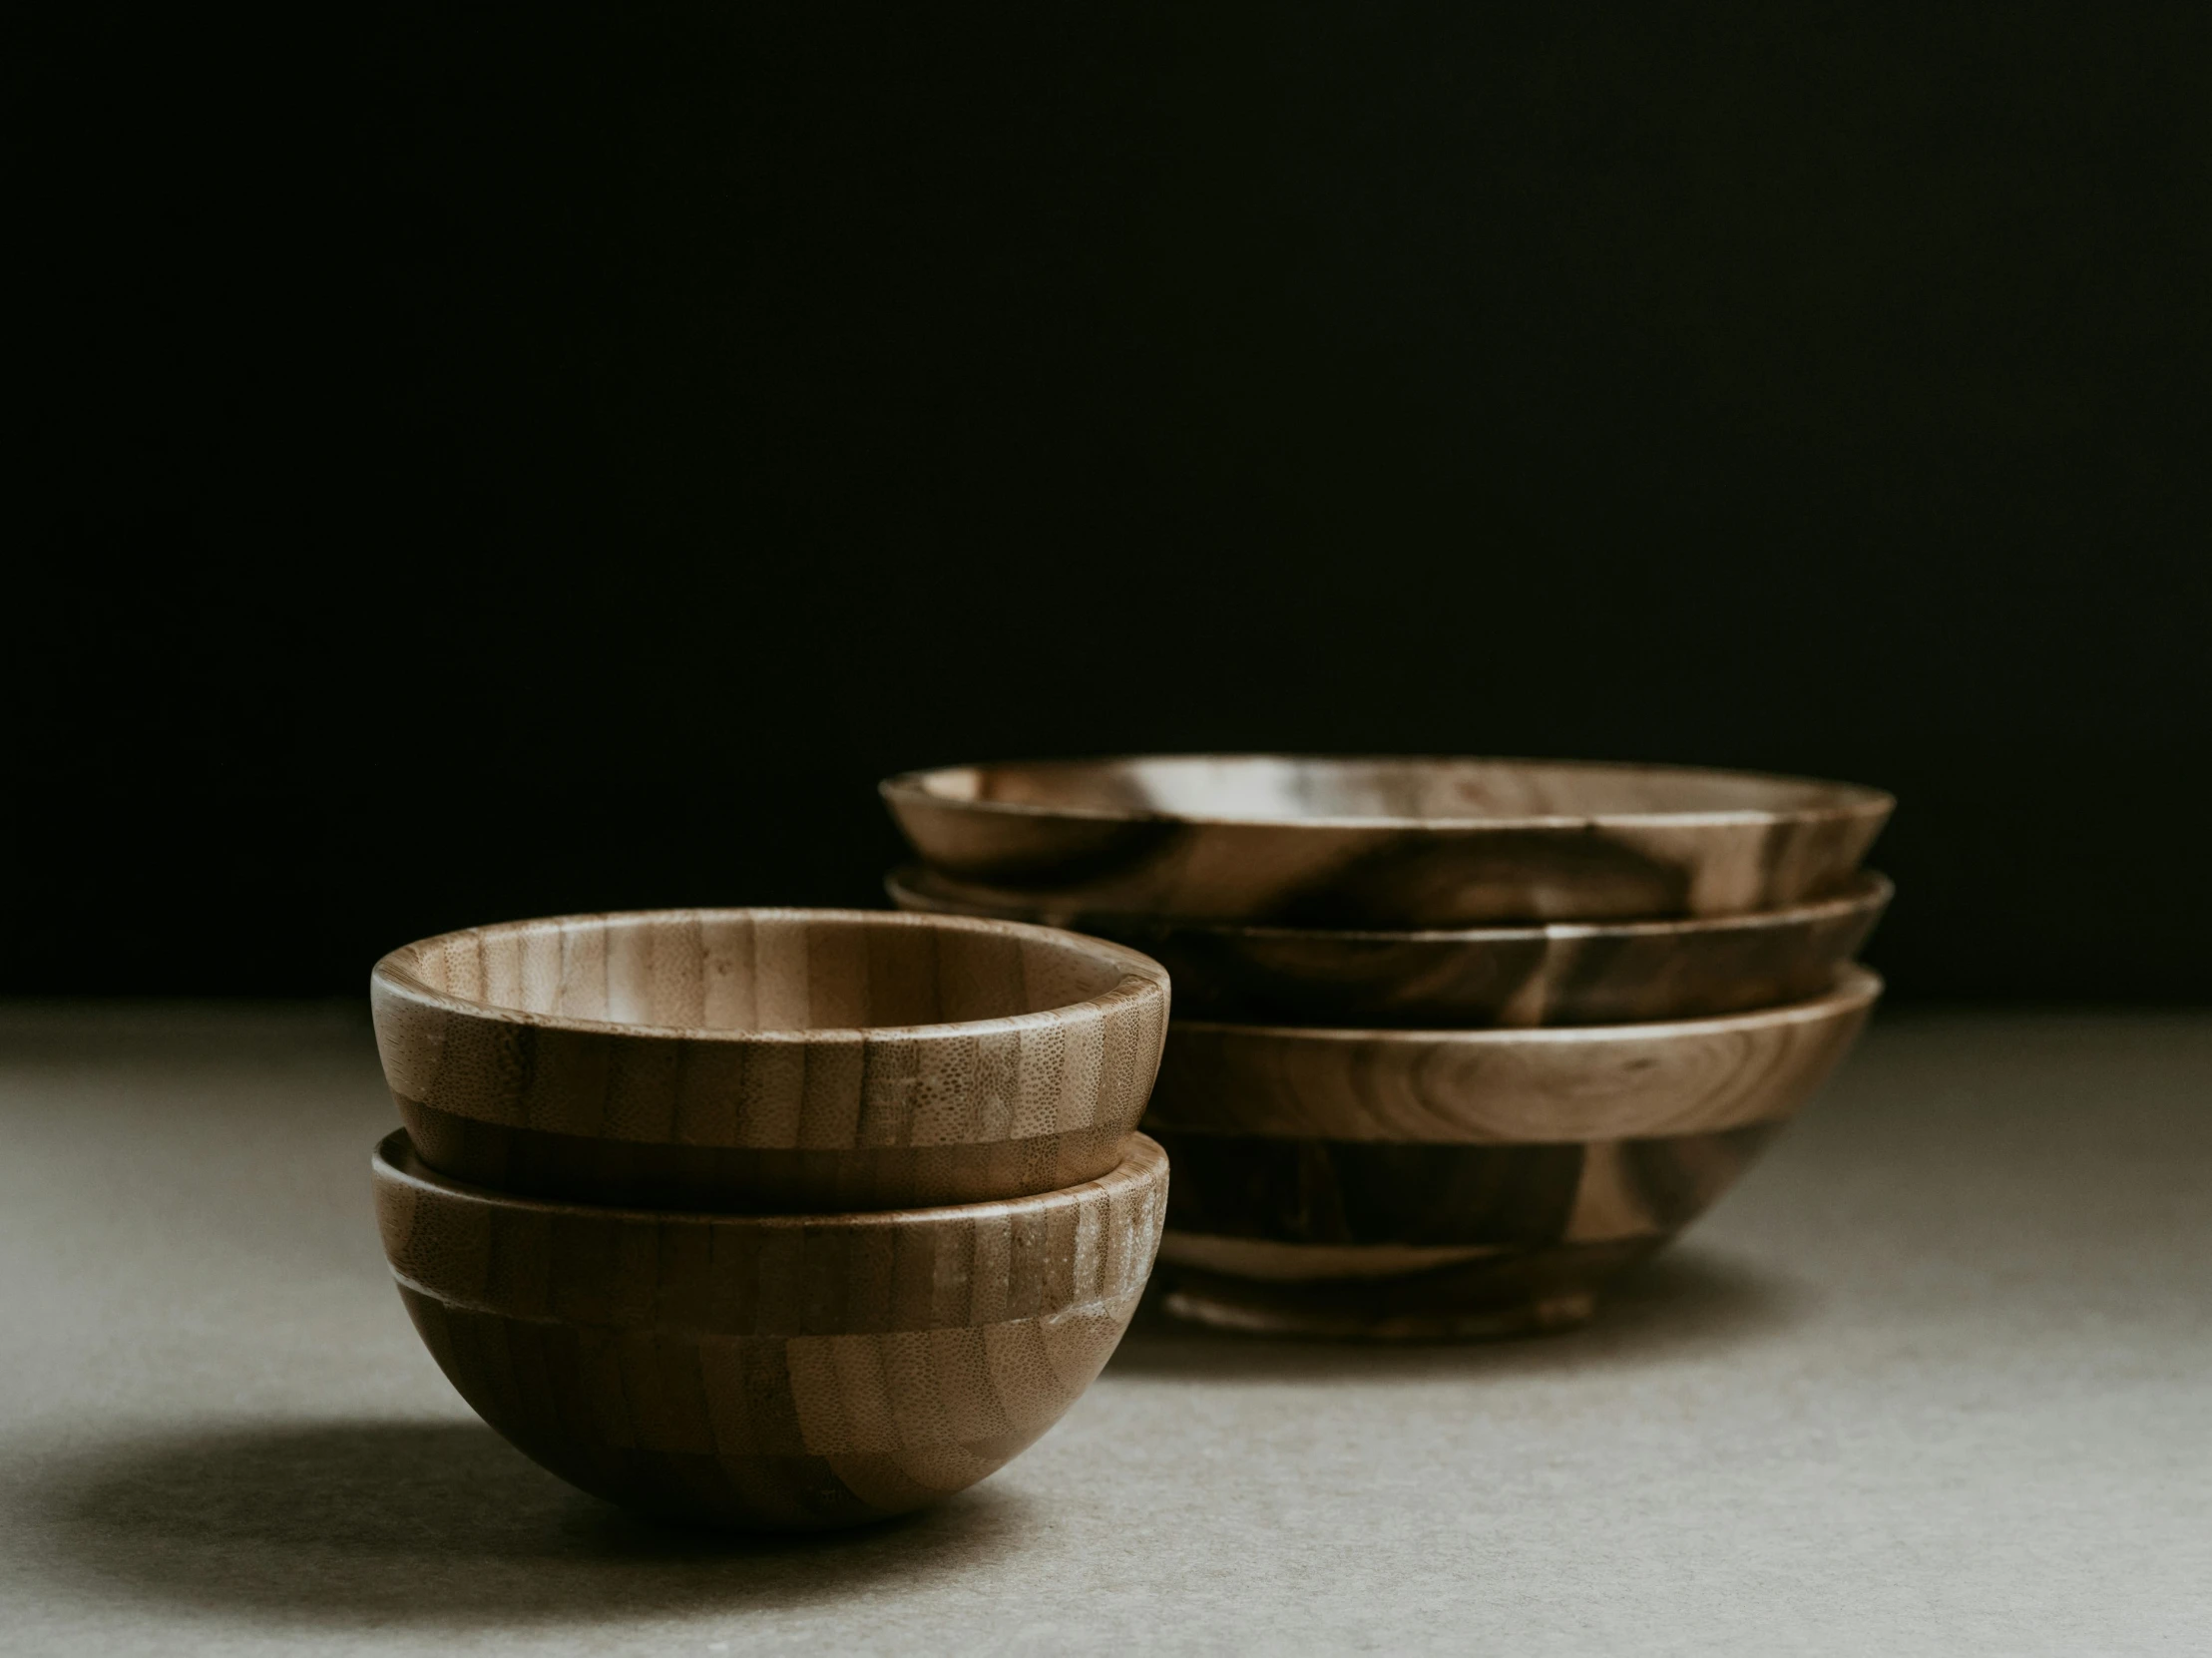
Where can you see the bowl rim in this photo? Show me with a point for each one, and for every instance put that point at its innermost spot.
(1846, 800)
(1868, 891)
(393, 976)
(1143, 1164)
(1855, 987)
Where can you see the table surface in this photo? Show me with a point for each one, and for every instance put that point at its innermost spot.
(1937, 1377)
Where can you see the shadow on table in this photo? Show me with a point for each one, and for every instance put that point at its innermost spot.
(444, 1523)
(1683, 1302)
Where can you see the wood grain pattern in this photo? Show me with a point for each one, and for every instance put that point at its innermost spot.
(769, 1058)
(1600, 1082)
(1390, 843)
(771, 1372)
(1564, 973)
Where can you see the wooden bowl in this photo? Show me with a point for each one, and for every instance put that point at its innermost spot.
(1565, 973)
(1436, 1183)
(1420, 843)
(771, 1372)
(769, 1059)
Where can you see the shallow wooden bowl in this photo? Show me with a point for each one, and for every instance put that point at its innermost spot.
(1563, 972)
(1420, 843)
(771, 1372)
(769, 1059)
(1433, 1183)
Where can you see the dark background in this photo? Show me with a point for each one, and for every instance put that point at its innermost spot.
(484, 461)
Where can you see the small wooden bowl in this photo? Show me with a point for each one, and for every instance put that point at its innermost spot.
(1420, 843)
(1566, 973)
(769, 1059)
(771, 1372)
(1438, 1183)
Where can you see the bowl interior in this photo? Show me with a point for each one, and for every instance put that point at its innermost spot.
(1260, 788)
(761, 970)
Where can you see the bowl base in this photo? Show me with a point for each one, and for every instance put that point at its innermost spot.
(1503, 1292)
(1272, 1317)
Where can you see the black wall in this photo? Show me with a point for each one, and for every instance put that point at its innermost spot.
(484, 461)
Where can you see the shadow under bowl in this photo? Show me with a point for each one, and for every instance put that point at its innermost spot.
(1562, 973)
(793, 1061)
(1430, 1184)
(1388, 843)
(771, 1372)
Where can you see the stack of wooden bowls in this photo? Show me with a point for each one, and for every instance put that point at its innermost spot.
(772, 1218)
(1456, 1039)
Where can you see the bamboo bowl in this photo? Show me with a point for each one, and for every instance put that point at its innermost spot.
(771, 1372)
(1443, 1183)
(1387, 843)
(799, 1061)
(1564, 973)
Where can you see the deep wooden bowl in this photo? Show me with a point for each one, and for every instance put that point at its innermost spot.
(1436, 1183)
(1420, 843)
(1564, 973)
(771, 1372)
(769, 1059)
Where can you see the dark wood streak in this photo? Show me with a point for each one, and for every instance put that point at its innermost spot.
(1437, 874)
(1090, 851)
(1564, 974)
(1348, 1192)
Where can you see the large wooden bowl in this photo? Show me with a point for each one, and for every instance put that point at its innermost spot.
(1398, 843)
(1562, 973)
(769, 1059)
(1427, 1183)
(771, 1372)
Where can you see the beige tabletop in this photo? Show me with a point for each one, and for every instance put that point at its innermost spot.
(1938, 1378)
